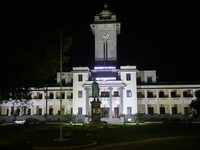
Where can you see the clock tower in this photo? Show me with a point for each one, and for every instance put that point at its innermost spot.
(105, 29)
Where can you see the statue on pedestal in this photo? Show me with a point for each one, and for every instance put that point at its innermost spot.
(95, 105)
(95, 90)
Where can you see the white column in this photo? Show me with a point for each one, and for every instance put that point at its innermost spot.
(146, 108)
(32, 109)
(158, 105)
(43, 106)
(54, 107)
(87, 100)
(43, 95)
(20, 110)
(54, 103)
(193, 93)
(182, 103)
(169, 93)
(145, 93)
(110, 102)
(65, 112)
(146, 105)
(121, 101)
(35, 109)
(9, 111)
(170, 108)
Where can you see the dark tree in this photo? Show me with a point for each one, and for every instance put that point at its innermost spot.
(195, 104)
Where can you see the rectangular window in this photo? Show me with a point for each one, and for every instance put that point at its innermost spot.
(174, 110)
(185, 94)
(79, 94)
(24, 109)
(140, 95)
(71, 95)
(150, 95)
(129, 94)
(50, 111)
(150, 110)
(162, 110)
(80, 110)
(186, 110)
(128, 76)
(188, 93)
(29, 111)
(129, 110)
(116, 93)
(72, 81)
(80, 77)
(40, 111)
(63, 95)
(149, 79)
(71, 111)
(104, 94)
(173, 94)
(161, 94)
(51, 95)
(138, 79)
(40, 96)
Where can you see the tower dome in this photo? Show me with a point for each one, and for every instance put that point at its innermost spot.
(105, 13)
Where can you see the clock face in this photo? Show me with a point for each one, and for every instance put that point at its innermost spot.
(105, 35)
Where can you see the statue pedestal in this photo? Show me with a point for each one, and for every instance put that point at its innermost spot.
(96, 113)
(96, 116)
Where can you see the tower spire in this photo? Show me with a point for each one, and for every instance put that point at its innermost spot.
(105, 6)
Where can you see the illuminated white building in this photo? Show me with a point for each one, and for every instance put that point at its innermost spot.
(122, 91)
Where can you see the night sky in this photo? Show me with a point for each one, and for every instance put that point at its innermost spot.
(155, 35)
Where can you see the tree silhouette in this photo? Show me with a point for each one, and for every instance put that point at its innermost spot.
(195, 104)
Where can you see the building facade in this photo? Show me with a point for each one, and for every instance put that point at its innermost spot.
(125, 90)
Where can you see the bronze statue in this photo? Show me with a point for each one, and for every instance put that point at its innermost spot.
(95, 90)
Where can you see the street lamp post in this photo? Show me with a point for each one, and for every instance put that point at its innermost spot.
(46, 103)
(61, 85)
(60, 90)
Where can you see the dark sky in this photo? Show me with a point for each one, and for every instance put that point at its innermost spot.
(155, 35)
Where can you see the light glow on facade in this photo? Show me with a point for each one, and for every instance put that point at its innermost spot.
(105, 67)
(105, 78)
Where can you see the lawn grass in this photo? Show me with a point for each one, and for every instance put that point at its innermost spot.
(113, 134)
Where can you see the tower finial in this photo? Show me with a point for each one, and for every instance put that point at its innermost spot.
(105, 6)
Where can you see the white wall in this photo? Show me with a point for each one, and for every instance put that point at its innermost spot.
(78, 86)
(65, 75)
(129, 85)
(147, 73)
